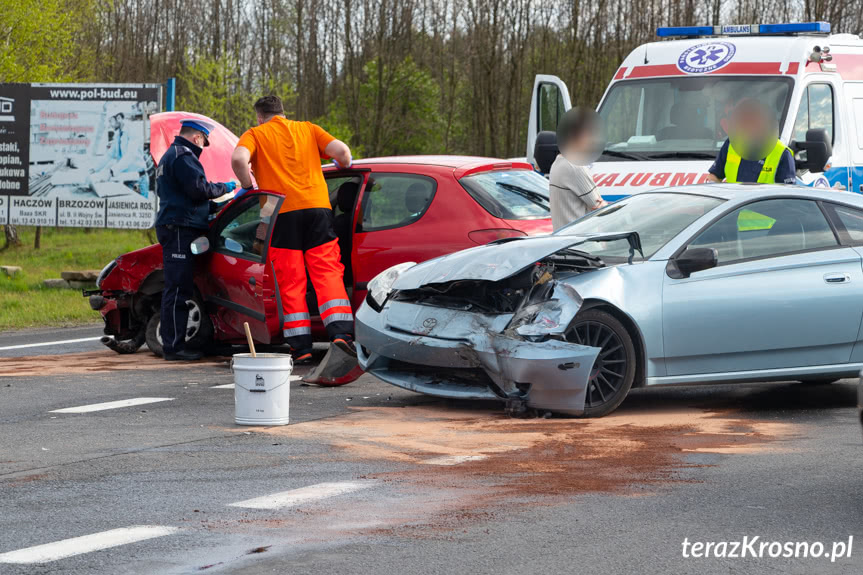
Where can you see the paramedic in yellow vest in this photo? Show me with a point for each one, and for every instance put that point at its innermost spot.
(753, 152)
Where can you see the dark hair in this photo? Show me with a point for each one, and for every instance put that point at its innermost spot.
(189, 131)
(574, 123)
(269, 106)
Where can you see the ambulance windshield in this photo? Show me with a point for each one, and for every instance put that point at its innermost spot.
(681, 117)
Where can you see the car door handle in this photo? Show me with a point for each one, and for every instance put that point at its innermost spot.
(252, 281)
(837, 278)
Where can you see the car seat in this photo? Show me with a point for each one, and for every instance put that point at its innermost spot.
(346, 197)
(684, 125)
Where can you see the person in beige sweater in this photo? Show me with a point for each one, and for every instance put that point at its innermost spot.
(572, 190)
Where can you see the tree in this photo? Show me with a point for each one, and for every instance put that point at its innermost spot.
(39, 40)
(398, 109)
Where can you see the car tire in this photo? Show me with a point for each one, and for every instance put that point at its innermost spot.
(199, 328)
(613, 373)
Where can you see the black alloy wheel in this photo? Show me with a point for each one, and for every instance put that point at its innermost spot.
(613, 371)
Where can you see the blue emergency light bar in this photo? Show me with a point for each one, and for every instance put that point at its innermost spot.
(745, 30)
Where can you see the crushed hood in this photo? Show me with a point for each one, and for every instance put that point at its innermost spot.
(497, 260)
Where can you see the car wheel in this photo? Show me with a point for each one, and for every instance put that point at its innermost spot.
(613, 371)
(199, 328)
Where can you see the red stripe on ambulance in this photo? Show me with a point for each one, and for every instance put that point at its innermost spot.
(731, 68)
(654, 180)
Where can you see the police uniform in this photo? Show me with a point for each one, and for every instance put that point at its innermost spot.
(776, 168)
(184, 205)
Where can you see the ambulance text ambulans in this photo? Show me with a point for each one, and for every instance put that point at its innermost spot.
(666, 111)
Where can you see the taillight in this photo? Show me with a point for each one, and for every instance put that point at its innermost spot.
(483, 237)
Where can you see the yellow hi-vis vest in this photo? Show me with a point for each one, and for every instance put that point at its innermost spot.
(768, 170)
(748, 220)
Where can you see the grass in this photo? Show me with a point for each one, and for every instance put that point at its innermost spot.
(25, 302)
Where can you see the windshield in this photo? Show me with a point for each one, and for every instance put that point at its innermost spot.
(681, 117)
(510, 194)
(656, 217)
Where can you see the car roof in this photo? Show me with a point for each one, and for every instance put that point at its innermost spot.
(430, 160)
(743, 192)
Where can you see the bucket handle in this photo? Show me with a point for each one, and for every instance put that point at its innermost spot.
(283, 382)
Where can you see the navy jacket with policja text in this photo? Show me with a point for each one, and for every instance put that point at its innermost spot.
(183, 189)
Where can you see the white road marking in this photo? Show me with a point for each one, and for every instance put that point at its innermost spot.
(111, 405)
(453, 459)
(86, 544)
(303, 495)
(47, 343)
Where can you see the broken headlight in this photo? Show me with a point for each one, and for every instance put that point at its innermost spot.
(380, 287)
(104, 273)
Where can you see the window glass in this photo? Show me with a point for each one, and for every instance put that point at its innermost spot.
(852, 220)
(768, 228)
(343, 192)
(510, 194)
(395, 200)
(681, 115)
(245, 231)
(816, 111)
(657, 217)
(550, 107)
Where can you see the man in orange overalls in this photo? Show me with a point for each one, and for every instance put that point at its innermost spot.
(285, 157)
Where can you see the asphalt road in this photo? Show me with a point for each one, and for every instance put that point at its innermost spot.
(370, 479)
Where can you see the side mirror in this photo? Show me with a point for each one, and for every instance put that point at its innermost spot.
(233, 245)
(814, 153)
(200, 245)
(545, 150)
(692, 260)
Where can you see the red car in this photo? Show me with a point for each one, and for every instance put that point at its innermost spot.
(387, 211)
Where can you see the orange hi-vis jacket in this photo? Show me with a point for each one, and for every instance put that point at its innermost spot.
(286, 157)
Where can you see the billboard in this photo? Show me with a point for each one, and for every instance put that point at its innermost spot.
(76, 155)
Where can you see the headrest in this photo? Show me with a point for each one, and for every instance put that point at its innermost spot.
(346, 196)
(416, 197)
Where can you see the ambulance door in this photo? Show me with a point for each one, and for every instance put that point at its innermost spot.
(854, 140)
(550, 100)
(820, 108)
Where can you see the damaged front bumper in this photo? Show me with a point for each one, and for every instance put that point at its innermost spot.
(468, 355)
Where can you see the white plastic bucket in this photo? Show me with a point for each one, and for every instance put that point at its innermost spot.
(262, 388)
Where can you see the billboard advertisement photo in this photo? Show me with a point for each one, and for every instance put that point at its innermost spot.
(75, 155)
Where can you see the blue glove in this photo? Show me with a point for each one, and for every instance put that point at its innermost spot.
(242, 191)
(231, 186)
(339, 166)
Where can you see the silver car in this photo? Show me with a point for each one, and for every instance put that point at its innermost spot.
(707, 283)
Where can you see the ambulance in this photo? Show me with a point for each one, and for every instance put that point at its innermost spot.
(666, 111)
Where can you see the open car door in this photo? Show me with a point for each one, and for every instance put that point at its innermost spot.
(550, 100)
(240, 283)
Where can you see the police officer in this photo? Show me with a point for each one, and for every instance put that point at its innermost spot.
(184, 206)
(753, 151)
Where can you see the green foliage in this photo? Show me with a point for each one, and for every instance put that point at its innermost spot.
(25, 302)
(38, 40)
(214, 87)
(397, 113)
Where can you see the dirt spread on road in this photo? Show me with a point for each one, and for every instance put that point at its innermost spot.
(101, 361)
(460, 466)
